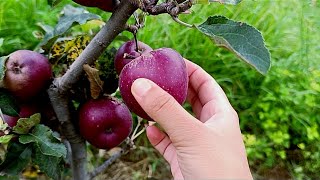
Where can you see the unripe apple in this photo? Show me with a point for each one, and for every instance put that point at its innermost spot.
(26, 110)
(105, 122)
(163, 66)
(106, 5)
(127, 52)
(27, 74)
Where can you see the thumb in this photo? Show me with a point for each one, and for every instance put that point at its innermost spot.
(162, 107)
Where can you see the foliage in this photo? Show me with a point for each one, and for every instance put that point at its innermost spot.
(234, 36)
(279, 112)
(8, 103)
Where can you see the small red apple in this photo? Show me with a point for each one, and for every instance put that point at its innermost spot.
(105, 122)
(27, 74)
(165, 67)
(127, 52)
(26, 110)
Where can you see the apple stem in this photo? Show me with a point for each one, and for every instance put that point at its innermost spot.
(176, 19)
(139, 133)
(136, 129)
(136, 41)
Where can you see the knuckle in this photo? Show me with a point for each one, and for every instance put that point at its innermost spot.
(231, 113)
(234, 114)
(163, 102)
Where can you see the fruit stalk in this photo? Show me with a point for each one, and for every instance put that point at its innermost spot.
(58, 90)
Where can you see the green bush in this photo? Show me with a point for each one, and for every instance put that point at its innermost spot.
(18, 23)
(282, 127)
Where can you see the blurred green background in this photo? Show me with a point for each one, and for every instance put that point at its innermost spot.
(279, 113)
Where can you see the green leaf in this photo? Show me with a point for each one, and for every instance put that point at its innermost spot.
(17, 158)
(50, 165)
(6, 138)
(72, 16)
(45, 27)
(8, 104)
(243, 40)
(233, 2)
(45, 140)
(3, 61)
(25, 124)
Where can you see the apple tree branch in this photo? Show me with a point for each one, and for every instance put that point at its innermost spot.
(58, 92)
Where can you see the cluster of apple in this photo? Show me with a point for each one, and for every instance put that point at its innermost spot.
(104, 122)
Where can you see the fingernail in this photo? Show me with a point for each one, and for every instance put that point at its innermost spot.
(141, 86)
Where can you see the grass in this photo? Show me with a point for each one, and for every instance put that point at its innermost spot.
(283, 103)
(18, 23)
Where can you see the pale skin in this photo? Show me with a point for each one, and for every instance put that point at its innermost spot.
(207, 146)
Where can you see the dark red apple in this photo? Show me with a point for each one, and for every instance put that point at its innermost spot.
(106, 5)
(127, 52)
(163, 66)
(105, 122)
(26, 110)
(27, 73)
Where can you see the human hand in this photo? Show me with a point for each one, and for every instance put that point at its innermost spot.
(208, 146)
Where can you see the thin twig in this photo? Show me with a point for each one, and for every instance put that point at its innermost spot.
(139, 133)
(106, 164)
(176, 19)
(128, 145)
(137, 127)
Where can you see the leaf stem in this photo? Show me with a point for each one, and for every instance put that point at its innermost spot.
(176, 19)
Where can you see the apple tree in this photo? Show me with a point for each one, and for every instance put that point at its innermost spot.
(63, 94)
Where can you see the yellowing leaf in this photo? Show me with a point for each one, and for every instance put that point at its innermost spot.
(68, 49)
(30, 172)
(25, 124)
(75, 47)
(96, 84)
